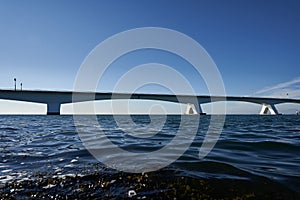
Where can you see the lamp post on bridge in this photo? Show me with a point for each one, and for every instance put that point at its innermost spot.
(21, 86)
(15, 84)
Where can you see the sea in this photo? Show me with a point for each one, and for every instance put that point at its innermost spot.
(44, 157)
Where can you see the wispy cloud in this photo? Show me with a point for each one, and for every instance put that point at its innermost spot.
(289, 89)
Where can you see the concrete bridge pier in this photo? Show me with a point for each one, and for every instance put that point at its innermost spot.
(193, 109)
(268, 108)
(53, 108)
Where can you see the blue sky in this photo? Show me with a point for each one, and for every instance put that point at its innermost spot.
(255, 44)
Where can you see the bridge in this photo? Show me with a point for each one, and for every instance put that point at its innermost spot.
(54, 99)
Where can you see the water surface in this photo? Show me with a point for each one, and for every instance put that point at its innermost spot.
(255, 157)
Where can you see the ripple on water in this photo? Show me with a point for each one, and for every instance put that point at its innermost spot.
(252, 150)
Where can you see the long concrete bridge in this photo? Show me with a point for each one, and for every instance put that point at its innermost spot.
(54, 99)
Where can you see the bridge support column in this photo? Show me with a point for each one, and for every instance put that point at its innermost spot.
(53, 109)
(193, 109)
(268, 108)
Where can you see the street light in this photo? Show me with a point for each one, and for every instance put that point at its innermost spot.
(15, 83)
(21, 86)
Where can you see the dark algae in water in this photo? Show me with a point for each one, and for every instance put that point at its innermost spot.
(162, 184)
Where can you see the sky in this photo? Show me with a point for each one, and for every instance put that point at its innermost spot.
(254, 43)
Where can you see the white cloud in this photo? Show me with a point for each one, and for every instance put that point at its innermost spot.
(290, 89)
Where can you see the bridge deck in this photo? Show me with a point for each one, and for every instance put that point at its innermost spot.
(54, 99)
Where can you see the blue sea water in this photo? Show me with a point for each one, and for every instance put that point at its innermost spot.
(255, 157)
